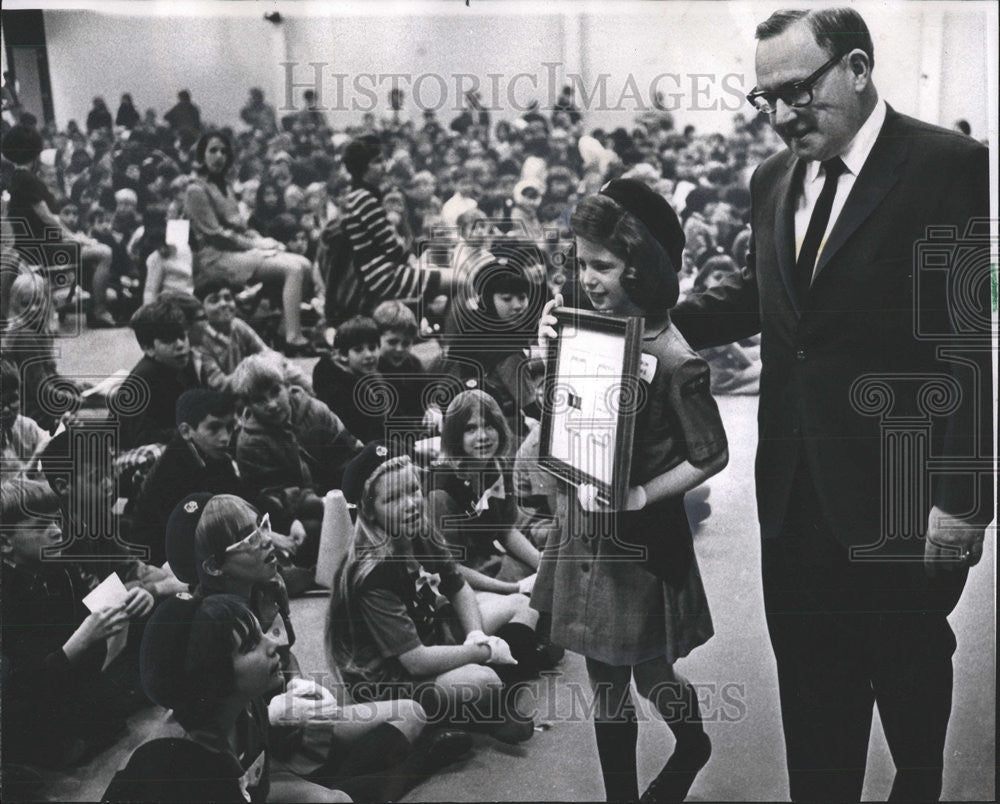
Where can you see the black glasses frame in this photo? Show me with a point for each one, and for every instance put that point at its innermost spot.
(771, 96)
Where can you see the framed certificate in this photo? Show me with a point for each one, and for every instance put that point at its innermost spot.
(588, 413)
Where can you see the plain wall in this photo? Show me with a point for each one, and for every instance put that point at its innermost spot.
(931, 57)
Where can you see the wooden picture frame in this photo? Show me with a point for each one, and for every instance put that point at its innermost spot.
(588, 415)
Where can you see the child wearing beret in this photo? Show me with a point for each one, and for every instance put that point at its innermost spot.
(636, 618)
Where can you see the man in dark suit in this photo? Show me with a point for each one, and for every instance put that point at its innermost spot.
(873, 468)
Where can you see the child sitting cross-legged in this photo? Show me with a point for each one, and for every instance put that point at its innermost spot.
(209, 661)
(472, 504)
(384, 629)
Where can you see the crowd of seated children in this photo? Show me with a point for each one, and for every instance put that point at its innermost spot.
(225, 546)
(382, 184)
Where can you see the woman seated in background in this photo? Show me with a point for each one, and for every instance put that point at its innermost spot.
(223, 243)
(384, 631)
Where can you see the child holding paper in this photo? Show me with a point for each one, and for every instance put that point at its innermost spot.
(59, 705)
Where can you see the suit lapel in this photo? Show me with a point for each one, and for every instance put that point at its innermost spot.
(880, 172)
(786, 191)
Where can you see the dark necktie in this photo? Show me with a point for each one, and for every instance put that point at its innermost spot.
(806, 261)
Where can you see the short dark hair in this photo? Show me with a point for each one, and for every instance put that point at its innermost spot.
(360, 153)
(212, 284)
(197, 404)
(836, 30)
(161, 320)
(355, 332)
(186, 303)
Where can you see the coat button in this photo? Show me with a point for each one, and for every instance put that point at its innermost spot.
(800, 354)
(585, 567)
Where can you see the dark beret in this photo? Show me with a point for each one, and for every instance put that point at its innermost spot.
(163, 652)
(361, 468)
(181, 526)
(653, 210)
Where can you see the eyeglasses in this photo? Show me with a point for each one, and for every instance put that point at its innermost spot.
(796, 94)
(258, 538)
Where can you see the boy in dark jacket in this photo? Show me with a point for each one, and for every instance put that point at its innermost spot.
(349, 382)
(196, 459)
(145, 402)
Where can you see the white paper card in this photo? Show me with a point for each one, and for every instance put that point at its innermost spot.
(111, 592)
(177, 233)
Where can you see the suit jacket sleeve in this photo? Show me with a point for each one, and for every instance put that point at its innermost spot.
(969, 431)
(728, 312)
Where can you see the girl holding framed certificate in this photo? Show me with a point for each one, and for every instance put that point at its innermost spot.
(623, 586)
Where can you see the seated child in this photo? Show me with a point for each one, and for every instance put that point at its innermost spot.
(29, 343)
(59, 705)
(383, 630)
(290, 444)
(473, 506)
(146, 401)
(209, 661)
(21, 439)
(198, 458)
(83, 480)
(490, 347)
(223, 339)
(397, 328)
(348, 381)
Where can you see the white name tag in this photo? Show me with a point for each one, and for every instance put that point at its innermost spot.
(647, 367)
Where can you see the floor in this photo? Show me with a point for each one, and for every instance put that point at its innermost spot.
(734, 671)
